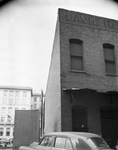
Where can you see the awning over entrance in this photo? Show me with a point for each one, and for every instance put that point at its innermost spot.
(73, 91)
(89, 89)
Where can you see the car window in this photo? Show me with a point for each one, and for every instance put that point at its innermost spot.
(82, 145)
(68, 145)
(99, 142)
(91, 143)
(47, 141)
(64, 143)
(60, 142)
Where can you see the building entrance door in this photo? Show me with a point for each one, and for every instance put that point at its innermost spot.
(109, 125)
(79, 119)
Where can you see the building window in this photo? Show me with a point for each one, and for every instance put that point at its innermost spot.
(35, 99)
(10, 110)
(24, 97)
(3, 110)
(109, 58)
(76, 54)
(5, 96)
(7, 131)
(17, 97)
(11, 93)
(1, 131)
(9, 119)
(17, 93)
(5, 93)
(35, 106)
(2, 119)
(11, 99)
(24, 94)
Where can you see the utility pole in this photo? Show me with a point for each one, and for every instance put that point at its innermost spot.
(42, 114)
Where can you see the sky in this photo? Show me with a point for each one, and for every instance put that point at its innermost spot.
(27, 29)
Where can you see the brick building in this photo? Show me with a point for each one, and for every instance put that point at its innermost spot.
(82, 85)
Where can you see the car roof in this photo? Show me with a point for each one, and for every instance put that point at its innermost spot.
(75, 134)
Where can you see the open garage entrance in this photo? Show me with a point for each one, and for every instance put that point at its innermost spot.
(109, 125)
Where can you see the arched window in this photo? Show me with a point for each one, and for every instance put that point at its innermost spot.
(76, 54)
(109, 58)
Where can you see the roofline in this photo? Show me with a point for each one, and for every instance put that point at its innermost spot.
(84, 13)
(36, 94)
(82, 134)
(16, 88)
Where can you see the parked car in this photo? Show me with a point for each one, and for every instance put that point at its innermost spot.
(69, 141)
(11, 141)
(3, 142)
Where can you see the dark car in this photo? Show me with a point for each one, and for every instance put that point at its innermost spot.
(69, 141)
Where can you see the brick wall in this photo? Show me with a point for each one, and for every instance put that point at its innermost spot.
(94, 32)
(92, 101)
(94, 67)
(93, 77)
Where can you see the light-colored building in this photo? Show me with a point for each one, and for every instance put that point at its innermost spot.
(11, 99)
(39, 104)
(36, 101)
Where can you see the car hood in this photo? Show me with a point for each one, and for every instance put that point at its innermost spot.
(105, 148)
(30, 147)
(25, 148)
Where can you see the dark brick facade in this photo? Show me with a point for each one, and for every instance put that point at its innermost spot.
(91, 89)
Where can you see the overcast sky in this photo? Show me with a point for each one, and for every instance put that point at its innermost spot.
(26, 37)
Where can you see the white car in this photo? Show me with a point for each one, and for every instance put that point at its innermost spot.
(69, 141)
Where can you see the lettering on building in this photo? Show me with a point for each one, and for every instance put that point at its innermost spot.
(88, 20)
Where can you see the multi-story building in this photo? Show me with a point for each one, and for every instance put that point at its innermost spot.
(82, 87)
(36, 101)
(11, 99)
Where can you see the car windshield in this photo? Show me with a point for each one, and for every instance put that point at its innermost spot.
(97, 142)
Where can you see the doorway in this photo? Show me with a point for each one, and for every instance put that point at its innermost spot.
(79, 119)
(109, 125)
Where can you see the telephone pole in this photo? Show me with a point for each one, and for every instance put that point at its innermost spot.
(42, 113)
